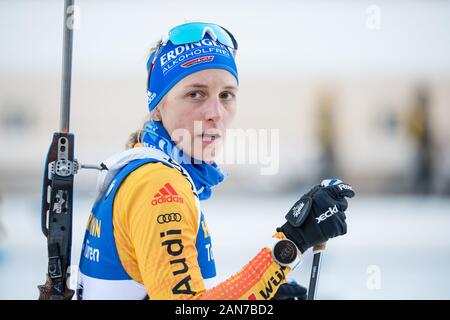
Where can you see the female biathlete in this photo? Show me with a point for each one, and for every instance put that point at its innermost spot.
(147, 235)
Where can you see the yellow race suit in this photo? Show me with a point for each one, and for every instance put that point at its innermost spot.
(148, 238)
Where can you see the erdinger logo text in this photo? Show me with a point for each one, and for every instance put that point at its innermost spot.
(187, 53)
(166, 194)
(173, 54)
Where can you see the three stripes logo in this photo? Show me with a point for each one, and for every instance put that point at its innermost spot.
(169, 217)
(166, 194)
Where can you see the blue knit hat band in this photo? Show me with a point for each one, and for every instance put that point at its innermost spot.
(175, 62)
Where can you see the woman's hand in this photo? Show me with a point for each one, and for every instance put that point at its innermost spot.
(319, 215)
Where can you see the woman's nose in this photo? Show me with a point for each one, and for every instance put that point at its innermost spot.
(213, 110)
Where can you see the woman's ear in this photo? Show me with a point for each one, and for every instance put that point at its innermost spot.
(156, 114)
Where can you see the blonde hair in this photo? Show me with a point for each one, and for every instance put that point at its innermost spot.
(135, 137)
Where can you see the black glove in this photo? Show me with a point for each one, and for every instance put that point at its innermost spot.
(290, 291)
(318, 215)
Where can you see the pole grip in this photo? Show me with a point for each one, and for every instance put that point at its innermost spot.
(320, 247)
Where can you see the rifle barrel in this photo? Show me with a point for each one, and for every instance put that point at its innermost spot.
(67, 65)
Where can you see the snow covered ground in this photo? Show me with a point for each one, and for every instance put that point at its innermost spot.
(397, 247)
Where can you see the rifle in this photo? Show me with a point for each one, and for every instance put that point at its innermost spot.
(57, 194)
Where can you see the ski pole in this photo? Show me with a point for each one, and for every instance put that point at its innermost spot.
(318, 250)
(315, 270)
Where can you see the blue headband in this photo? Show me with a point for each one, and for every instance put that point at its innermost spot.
(177, 62)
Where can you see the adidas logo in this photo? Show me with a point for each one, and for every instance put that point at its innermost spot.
(166, 194)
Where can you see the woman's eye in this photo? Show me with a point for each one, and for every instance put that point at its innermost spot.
(195, 94)
(227, 95)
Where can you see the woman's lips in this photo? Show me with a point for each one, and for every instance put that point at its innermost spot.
(210, 137)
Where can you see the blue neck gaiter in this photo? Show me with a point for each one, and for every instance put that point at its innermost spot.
(205, 176)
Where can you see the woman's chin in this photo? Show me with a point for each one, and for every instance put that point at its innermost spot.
(212, 150)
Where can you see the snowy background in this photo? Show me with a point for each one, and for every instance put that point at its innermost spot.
(307, 69)
(402, 240)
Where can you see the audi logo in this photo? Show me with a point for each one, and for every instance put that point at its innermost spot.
(169, 217)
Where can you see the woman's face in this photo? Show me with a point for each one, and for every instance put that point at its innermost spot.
(197, 111)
